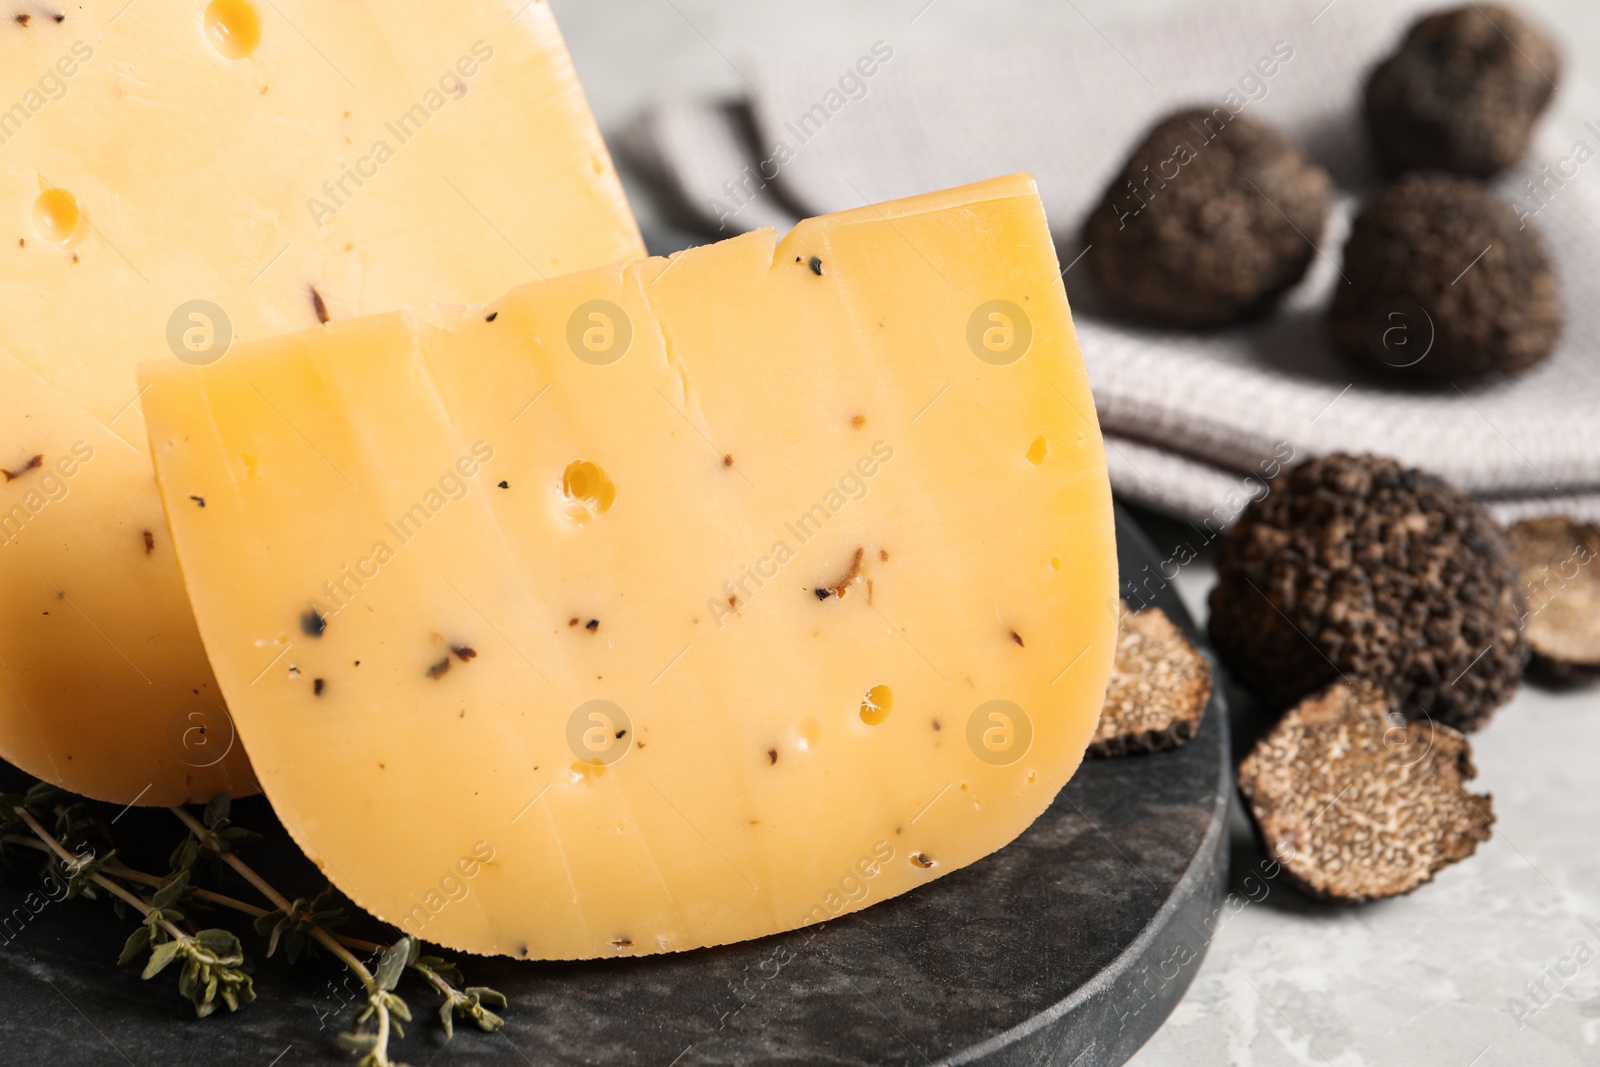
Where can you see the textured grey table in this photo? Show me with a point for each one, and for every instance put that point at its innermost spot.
(1446, 976)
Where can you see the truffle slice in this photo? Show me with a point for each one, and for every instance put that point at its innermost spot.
(1211, 219)
(1556, 561)
(1462, 93)
(1358, 805)
(1356, 568)
(1159, 688)
(1445, 282)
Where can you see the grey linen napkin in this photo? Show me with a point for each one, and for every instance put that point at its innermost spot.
(1193, 422)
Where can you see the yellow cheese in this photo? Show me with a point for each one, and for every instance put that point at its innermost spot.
(182, 175)
(663, 606)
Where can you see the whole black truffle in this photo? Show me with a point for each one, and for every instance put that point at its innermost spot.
(1462, 93)
(1212, 217)
(1356, 569)
(1441, 281)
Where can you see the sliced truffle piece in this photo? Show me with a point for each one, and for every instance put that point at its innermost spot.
(1211, 219)
(1356, 568)
(1445, 282)
(1462, 93)
(1557, 564)
(1357, 804)
(1159, 688)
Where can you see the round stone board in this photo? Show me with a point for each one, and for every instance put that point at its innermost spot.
(1068, 947)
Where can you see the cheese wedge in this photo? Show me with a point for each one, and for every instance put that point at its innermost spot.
(669, 605)
(181, 176)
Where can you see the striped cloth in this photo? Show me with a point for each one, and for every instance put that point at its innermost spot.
(1192, 421)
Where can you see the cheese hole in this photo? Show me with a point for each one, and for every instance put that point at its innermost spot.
(810, 733)
(1055, 563)
(1037, 450)
(588, 491)
(876, 704)
(233, 28)
(58, 218)
(587, 770)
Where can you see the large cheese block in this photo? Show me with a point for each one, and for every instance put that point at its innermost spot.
(178, 177)
(669, 605)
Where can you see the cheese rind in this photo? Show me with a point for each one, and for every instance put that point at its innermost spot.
(355, 158)
(685, 602)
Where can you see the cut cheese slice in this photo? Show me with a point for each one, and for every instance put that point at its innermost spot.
(664, 606)
(162, 194)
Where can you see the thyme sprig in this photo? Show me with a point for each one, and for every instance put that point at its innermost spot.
(384, 1008)
(469, 1002)
(213, 961)
(300, 925)
(213, 965)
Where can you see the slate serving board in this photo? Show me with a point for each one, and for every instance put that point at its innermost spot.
(1069, 947)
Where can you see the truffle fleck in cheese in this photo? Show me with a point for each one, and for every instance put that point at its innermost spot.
(666, 738)
(176, 178)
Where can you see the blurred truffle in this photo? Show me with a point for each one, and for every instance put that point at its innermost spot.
(1442, 282)
(1558, 561)
(1211, 218)
(1462, 93)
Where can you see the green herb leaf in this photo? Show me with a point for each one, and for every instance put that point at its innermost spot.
(184, 856)
(358, 1042)
(217, 809)
(189, 980)
(168, 894)
(137, 942)
(393, 964)
(487, 995)
(163, 955)
(238, 835)
(81, 871)
(222, 944)
(443, 968)
(397, 1007)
